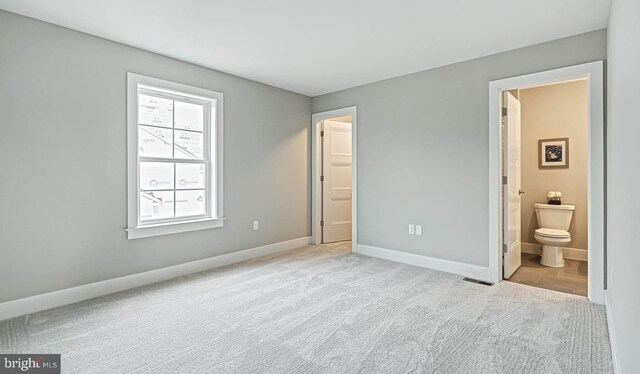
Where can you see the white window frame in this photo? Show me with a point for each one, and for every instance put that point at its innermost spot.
(212, 100)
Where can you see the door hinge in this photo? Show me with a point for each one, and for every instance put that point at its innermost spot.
(322, 133)
(504, 112)
(322, 223)
(504, 179)
(505, 248)
(322, 178)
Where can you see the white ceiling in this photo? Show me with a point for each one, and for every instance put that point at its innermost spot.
(320, 46)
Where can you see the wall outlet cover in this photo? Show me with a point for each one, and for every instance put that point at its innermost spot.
(419, 230)
(412, 229)
(256, 225)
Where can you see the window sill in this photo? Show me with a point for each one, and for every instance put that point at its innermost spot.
(173, 228)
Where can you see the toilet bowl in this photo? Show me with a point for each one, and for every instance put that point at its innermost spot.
(552, 242)
(553, 234)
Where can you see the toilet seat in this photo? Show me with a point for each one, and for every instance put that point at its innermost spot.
(552, 233)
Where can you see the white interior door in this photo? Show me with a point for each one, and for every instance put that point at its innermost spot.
(336, 185)
(512, 190)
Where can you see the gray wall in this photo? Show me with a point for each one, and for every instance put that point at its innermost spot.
(423, 148)
(63, 142)
(623, 203)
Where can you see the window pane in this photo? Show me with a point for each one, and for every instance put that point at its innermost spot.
(155, 142)
(189, 116)
(155, 111)
(190, 176)
(188, 145)
(156, 175)
(156, 205)
(190, 203)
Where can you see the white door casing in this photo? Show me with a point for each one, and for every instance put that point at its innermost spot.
(594, 73)
(337, 184)
(512, 190)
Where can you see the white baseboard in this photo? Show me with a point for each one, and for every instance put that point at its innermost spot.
(467, 270)
(568, 253)
(612, 340)
(32, 304)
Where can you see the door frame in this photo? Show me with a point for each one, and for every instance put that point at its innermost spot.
(316, 172)
(594, 74)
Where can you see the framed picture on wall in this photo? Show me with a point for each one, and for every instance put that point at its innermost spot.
(553, 153)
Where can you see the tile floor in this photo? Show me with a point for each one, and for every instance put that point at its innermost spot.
(572, 278)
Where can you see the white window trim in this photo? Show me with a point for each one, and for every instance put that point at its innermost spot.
(134, 230)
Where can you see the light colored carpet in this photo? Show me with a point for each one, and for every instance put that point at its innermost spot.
(321, 310)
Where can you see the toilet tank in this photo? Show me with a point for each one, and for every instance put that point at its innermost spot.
(554, 216)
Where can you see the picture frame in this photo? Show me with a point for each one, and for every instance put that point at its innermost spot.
(553, 153)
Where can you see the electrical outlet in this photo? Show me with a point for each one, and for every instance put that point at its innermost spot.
(419, 230)
(256, 225)
(412, 230)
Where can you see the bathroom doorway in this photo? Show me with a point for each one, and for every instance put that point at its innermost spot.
(334, 193)
(545, 161)
(547, 148)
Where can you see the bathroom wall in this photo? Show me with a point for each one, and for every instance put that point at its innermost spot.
(556, 111)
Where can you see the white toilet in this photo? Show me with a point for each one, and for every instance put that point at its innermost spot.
(554, 221)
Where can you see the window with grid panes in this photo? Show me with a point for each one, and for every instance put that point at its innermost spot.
(175, 158)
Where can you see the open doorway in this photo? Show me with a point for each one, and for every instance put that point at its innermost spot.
(506, 222)
(545, 166)
(335, 140)
(334, 197)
